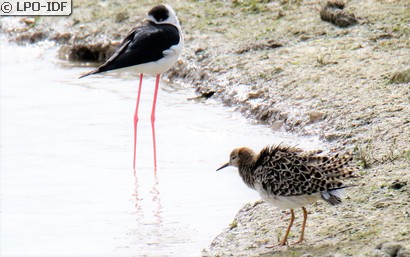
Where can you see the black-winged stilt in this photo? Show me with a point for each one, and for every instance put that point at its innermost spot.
(151, 48)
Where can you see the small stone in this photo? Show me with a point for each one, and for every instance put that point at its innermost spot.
(120, 17)
(316, 116)
(254, 95)
(233, 224)
(203, 96)
(383, 203)
(277, 125)
(389, 249)
(199, 51)
(400, 77)
(333, 12)
(28, 21)
(396, 185)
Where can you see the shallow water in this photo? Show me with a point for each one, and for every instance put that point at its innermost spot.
(67, 184)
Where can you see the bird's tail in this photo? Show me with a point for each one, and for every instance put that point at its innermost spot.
(98, 70)
(334, 196)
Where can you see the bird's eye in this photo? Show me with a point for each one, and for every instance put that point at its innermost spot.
(233, 157)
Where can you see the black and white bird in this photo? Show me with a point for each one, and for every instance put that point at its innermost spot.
(150, 48)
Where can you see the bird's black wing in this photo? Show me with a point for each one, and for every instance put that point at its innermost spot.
(143, 44)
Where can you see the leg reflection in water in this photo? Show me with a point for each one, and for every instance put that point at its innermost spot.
(137, 199)
(157, 208)
(156, 198)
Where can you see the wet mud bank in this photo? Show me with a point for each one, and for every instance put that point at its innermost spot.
(280, 64)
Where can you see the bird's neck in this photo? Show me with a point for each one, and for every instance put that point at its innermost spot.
(246, 172)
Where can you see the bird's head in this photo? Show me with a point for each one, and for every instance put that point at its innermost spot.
(240, 156)
(163, 14)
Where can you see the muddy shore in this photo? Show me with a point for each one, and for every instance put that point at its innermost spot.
(279, 64)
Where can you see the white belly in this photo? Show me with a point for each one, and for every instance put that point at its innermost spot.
(158, 67)
(287, 202)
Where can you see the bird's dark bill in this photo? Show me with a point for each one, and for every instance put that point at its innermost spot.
(223, 166)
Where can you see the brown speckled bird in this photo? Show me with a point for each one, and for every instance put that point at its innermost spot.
(289, 177)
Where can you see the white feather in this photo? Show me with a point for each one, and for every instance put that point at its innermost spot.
(286, 202)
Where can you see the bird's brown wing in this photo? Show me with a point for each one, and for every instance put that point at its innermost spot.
(290, 171)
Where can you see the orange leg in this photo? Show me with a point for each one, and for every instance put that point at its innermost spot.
(153, 119)
(136, 120)
(285, 238)
(303, 226)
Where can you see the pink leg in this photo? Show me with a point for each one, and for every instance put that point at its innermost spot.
(153, 119)
(136, 120)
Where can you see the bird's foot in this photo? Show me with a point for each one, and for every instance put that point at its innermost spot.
(277, 245)
(298, 242)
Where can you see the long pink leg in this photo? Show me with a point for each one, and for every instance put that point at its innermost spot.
(136, 120)
(153, 119)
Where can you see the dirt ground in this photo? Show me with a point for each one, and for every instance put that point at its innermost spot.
(279, 64)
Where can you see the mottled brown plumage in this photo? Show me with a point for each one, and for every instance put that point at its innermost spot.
(288, 177)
